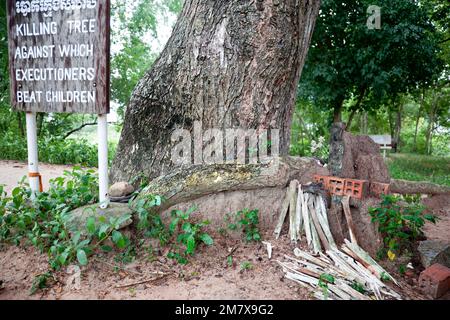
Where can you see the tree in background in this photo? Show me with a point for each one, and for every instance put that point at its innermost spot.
(135, 26)
(355, 70)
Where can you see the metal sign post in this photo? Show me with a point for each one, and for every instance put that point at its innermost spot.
(59, 55)
(34, 177)
(103, 160)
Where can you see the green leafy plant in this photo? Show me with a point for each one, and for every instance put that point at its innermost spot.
(40, 282)
(358, 287)
(42, 221)
(324, 280)
(247, 221)
(188, 234)
(230, 261)
(246, 265)
(149, 220)
(400, 221)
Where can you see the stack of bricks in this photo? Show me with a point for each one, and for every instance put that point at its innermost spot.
(351, 187)
(343, 187)
(435, 280)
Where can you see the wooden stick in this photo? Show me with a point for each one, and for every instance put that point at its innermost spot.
(315, 236)
(298, 213)
(305, 216)
(292, 212)
(269, 248)
(368, 260)
(348, 217)
(323, 219)
(317, 225)
(284, 208)
(142, 281)
(302, 254)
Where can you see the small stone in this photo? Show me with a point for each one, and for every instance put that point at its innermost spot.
(432, 251)
(121, 189)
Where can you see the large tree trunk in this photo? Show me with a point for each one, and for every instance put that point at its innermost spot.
(228, 64)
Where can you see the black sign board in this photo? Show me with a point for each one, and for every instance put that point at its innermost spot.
(59, 55)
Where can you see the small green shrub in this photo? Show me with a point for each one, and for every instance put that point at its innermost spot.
(400, 221)
(182, 234)
(42, 221)
(246, 265)
(149, 220)
(188, 234)
(324, 280)
(247, 221)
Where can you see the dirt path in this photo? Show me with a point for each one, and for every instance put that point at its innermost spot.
(207, 276)
(11, 172)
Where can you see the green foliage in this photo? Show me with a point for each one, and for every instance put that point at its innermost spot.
(348, 61)
(188, 234)
(135, 23)
(324, 280)
(150, 221)
(53, 150)
(182, 234)
(42, 221)
(246, 265)
(420, 168)
(400, 221)
(247, 221)
(230, 261)
(40, 282)
(358, 287)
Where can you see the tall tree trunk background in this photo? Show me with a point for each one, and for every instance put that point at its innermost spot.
(431, 120)
(398, 127)
(419, 114)
(228, 64)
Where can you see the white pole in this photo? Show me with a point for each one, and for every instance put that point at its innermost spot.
(33, 169)
(103, 160)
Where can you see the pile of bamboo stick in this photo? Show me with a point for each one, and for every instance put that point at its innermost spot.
(350, 267)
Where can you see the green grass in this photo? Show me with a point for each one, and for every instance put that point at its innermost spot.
(420, 168)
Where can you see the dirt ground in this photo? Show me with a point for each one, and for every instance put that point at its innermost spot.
(207, 276)
(11, 172)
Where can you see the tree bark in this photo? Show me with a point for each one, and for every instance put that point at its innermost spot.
(413, 187)
(186, 185)
(356, 107)
(337, 112)
(430, 127)
(419, 114)
(228, 64)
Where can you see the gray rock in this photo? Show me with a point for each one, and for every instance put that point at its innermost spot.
(121, 189)
(432, 251)
(79, 216)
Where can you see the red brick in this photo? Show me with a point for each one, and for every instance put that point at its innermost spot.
(435, 280)
(355, 188)
(336, 186)
(323, 180)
